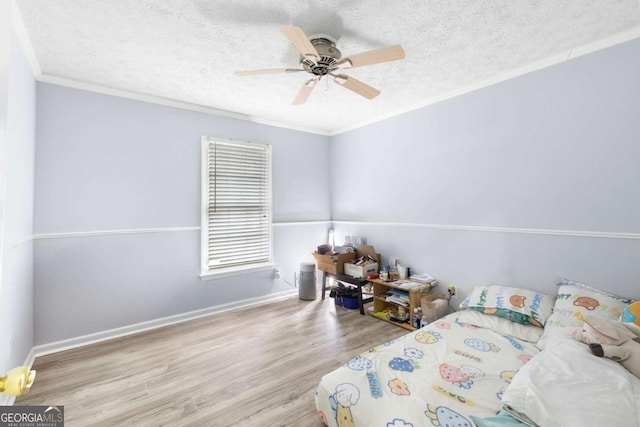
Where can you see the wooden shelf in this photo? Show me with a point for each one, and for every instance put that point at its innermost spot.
(402, 325)
(380, 302)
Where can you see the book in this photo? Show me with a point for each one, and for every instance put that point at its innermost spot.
(397, 300)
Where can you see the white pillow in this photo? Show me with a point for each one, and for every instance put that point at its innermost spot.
(519, 305)
(500, 325)
(574, 301)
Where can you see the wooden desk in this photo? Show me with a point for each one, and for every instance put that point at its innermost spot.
(359, 283)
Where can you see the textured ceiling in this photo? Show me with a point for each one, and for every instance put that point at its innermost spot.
(187, 50)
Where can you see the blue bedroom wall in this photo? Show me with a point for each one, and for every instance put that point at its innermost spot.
(117, 239)
(18, 139)
(518, 183)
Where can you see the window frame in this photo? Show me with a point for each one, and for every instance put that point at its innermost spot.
(205, 272)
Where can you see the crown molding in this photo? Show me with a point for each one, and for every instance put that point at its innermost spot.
(29, 52)
(616, 39)
(24, 39)
(152, 99)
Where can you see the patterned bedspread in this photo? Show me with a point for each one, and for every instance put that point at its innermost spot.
(435, 377)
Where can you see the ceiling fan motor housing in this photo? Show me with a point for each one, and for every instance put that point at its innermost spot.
(329, 56)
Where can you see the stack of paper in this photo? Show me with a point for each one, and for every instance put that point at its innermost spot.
(422, 278)
(407, 284)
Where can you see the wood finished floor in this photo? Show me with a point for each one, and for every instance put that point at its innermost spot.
(257, 366)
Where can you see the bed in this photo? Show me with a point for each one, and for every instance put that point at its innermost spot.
(491, 357)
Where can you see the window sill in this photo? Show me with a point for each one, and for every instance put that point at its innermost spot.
(230, 272)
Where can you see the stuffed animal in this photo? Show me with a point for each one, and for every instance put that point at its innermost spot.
(631, 317)
(611, 339)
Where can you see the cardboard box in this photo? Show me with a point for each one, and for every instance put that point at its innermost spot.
(363, 250)
(333, 264)
(360, 271)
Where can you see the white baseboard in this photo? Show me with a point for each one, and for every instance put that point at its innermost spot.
(7, 400)
(31, 357)
(55, 347)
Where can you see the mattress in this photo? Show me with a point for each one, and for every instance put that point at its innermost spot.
(436, 376)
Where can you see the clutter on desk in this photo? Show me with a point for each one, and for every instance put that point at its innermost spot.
(354, 241)
(324, 249)
(387, 273)
(331, 259)
(332, 262)
(366, 264)
(334, 250)
(364, 260)
(361, 267)
(403, 271)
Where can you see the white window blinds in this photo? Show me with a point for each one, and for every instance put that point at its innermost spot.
(236, 225)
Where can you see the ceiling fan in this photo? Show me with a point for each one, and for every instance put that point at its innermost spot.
(320, 57)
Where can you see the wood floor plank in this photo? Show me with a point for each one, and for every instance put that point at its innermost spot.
(256, 366)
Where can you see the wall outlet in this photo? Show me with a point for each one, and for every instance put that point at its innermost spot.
(452, 290)
(276, 273)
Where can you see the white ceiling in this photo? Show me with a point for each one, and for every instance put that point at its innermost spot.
(187, 50)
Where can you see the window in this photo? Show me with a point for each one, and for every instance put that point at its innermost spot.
(236, 206)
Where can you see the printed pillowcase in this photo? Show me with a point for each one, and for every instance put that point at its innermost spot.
(573, 302)
(500, 325)
(518, 305)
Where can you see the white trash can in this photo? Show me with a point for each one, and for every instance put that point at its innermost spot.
(307, 282)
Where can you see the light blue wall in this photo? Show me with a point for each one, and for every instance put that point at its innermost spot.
(16, 286)
(557, 149)
(105, 164)
(455, 189)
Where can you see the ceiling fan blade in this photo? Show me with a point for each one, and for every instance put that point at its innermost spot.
(356, 86)
(305, 91)
(301, 42)
(385, 54)
(267, 71)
